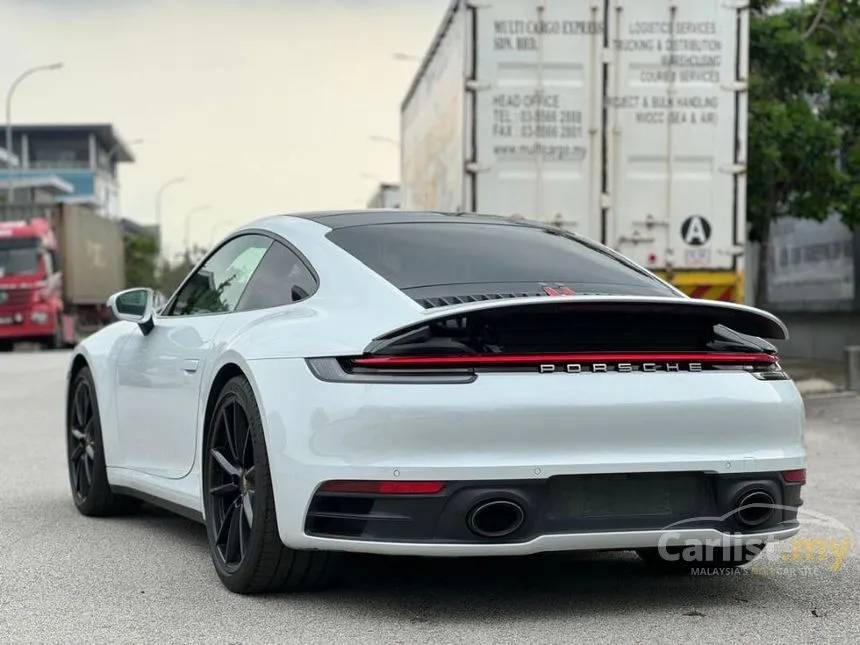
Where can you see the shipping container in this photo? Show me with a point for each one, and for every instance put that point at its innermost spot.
(621, 121)
(385, 196)
(92, 255)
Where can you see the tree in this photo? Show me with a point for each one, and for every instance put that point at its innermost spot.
(173, 273)
(802, 93)
(141, 252)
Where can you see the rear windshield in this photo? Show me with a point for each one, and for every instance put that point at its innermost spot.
(447, 259)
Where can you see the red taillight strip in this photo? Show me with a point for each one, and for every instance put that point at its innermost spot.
(382, 487)
(537, 359)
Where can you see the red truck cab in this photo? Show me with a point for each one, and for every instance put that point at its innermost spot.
(31, 294)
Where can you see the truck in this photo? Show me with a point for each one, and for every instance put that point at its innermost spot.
(59, 263)
(621, 121)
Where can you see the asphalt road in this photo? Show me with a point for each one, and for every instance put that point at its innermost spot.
(66, 578)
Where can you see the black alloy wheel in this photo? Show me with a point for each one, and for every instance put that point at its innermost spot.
(82, 451)
(239, 505)
(91, 491)
(232, 482)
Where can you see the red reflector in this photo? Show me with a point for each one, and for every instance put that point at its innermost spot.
(536, 359)
(383, 488)
(795, 476)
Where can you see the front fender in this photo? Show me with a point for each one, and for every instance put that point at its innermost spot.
(100, 351)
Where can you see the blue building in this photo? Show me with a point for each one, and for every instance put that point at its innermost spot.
(86, 156)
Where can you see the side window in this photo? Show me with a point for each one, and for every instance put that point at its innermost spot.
(282, 278)
(218, 285)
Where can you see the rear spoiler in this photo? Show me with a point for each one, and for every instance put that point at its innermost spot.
(739, 318)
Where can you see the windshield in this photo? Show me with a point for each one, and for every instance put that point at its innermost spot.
(18, 257)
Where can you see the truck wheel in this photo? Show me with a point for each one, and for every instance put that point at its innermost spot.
(55, 340)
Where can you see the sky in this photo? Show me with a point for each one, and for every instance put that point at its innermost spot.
(265, 106)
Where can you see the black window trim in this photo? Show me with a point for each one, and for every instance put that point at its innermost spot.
(167, 310)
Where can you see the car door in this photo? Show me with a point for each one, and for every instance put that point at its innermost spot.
(159, 374)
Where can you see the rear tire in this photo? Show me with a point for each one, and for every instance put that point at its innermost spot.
(736, 557)
(241, 522)
(91, 491)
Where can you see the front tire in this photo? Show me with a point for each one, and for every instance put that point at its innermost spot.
(241, 522)
(716, 559)
(91, 491)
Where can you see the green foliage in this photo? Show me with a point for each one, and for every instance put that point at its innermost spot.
(173, 273)
(141, 252)
(804, 115)
(793, 168)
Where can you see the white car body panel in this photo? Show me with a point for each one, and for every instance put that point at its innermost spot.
(152, 408)
(486, 430)
(158, 388)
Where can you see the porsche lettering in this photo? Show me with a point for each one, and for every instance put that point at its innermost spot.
(576, 368)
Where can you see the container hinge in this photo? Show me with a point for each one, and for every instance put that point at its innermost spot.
(477, 86)
(607, 56)
(734, 169)
(605, 200)
(734, 251)
(739, 85)
(474, 167)
(650, 222)
(634, 239)
(475, 4)
(736, 6)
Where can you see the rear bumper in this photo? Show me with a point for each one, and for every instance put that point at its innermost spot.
(521, 435)
(583, 505)
(606, 541)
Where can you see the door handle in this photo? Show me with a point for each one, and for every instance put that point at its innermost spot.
(189, 366)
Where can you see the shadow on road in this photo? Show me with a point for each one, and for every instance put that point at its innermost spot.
(429, 590)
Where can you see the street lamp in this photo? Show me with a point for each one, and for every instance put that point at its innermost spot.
(10, 195)
(188, 215)
(158, 196)
(406, 57)
(380, 139)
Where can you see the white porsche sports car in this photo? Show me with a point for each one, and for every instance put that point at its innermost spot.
(433, 384)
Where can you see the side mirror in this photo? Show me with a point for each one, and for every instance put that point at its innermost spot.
(134, 305)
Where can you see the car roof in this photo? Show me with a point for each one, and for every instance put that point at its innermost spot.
(370, 217)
